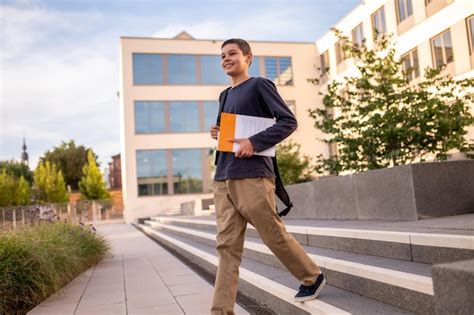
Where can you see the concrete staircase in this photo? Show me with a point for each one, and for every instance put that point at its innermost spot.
(371, 267)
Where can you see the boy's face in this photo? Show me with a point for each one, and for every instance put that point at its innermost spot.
(233, 60)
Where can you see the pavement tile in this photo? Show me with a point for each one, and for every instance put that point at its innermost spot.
(113, 309)
(102, 298)
(54, 309)
(191, 288)
(168, 309)
(148, 298)
(180, 279)
(152, 280)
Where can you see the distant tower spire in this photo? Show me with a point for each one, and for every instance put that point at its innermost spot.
(24, 154)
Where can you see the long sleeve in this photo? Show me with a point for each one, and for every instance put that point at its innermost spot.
(285, 124)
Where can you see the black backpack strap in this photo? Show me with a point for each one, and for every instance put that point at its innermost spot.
(222, 99)
(280, 190)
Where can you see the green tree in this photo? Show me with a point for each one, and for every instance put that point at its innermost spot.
(23, 193)
(292, 167)
(13, 191)
(380, 118)
(17, 169)
(7, 189)
(92, 184)
(49, 184)
(70, 159)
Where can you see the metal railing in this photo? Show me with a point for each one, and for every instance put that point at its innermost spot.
(85, 212)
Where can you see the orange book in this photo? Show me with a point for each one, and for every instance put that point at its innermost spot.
(235, 126)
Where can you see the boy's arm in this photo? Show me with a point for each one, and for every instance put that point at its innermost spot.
(285, 120)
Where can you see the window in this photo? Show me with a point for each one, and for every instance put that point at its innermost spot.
(149, 117)
(410, 64)
(404, 9)
(442, 49)
(211, 109)
(279, 70)
(187, 171)
(182, 69)
(184, 116)
(152, 176)
(254, 70)
(147, 69)
(324, 60)
(211, 71)
(358, 35)
(378, 21)
(433, 6)
(178, 171)
(341, 54)
(179, 69)
(470, 33)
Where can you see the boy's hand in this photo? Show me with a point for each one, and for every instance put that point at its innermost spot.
(214, 131)
(245, 148)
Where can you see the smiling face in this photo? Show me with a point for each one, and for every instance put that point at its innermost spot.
(233, 60)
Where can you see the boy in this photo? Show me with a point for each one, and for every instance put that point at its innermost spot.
(244, 184)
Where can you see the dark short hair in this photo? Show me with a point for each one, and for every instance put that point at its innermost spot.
(243, 45)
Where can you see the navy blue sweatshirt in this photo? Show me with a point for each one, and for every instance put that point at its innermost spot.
(255, 97)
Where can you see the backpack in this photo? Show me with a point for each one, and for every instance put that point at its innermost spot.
(280, 190)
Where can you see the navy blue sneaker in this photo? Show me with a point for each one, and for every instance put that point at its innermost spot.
(307, 293)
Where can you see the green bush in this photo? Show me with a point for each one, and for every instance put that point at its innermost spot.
(37, 261)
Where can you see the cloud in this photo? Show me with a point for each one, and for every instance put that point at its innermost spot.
(57, 88)
(271, 24)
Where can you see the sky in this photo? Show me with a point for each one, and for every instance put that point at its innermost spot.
(59, 60)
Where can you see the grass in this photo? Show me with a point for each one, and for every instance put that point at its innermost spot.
(37, 261)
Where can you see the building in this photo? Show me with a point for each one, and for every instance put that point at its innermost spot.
(168, 98)
(427, 33)
(115, 172)
(169, 90)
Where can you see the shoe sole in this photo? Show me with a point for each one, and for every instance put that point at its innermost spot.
(311, 297)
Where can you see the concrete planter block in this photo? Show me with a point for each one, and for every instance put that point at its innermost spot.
(416, 191)
(385, 194)
(407, 192)
(453, 286)
(325, 198)
(444, 188)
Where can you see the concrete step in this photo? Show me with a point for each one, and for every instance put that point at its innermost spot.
(401, 283)
(273, 286)
(431, 246)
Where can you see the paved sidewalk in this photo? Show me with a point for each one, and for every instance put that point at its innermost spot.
(140, 277)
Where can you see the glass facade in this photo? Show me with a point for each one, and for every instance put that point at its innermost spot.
(187, 171)
(324, 60)
(341, 54)
(149, 117)
(162, 69)
(211, 110)
(404, 9)
(470, 31)
(285, 71)
(378, 21)
(411, 64)
(442, 49)
(254, 70)
(181, 169)
(358, 35)
(184, 116)
(147, 69)
(211, 71)
(152, 178)
(279, 70)
(182, 69)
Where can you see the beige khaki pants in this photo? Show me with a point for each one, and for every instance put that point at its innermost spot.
(252, 200)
